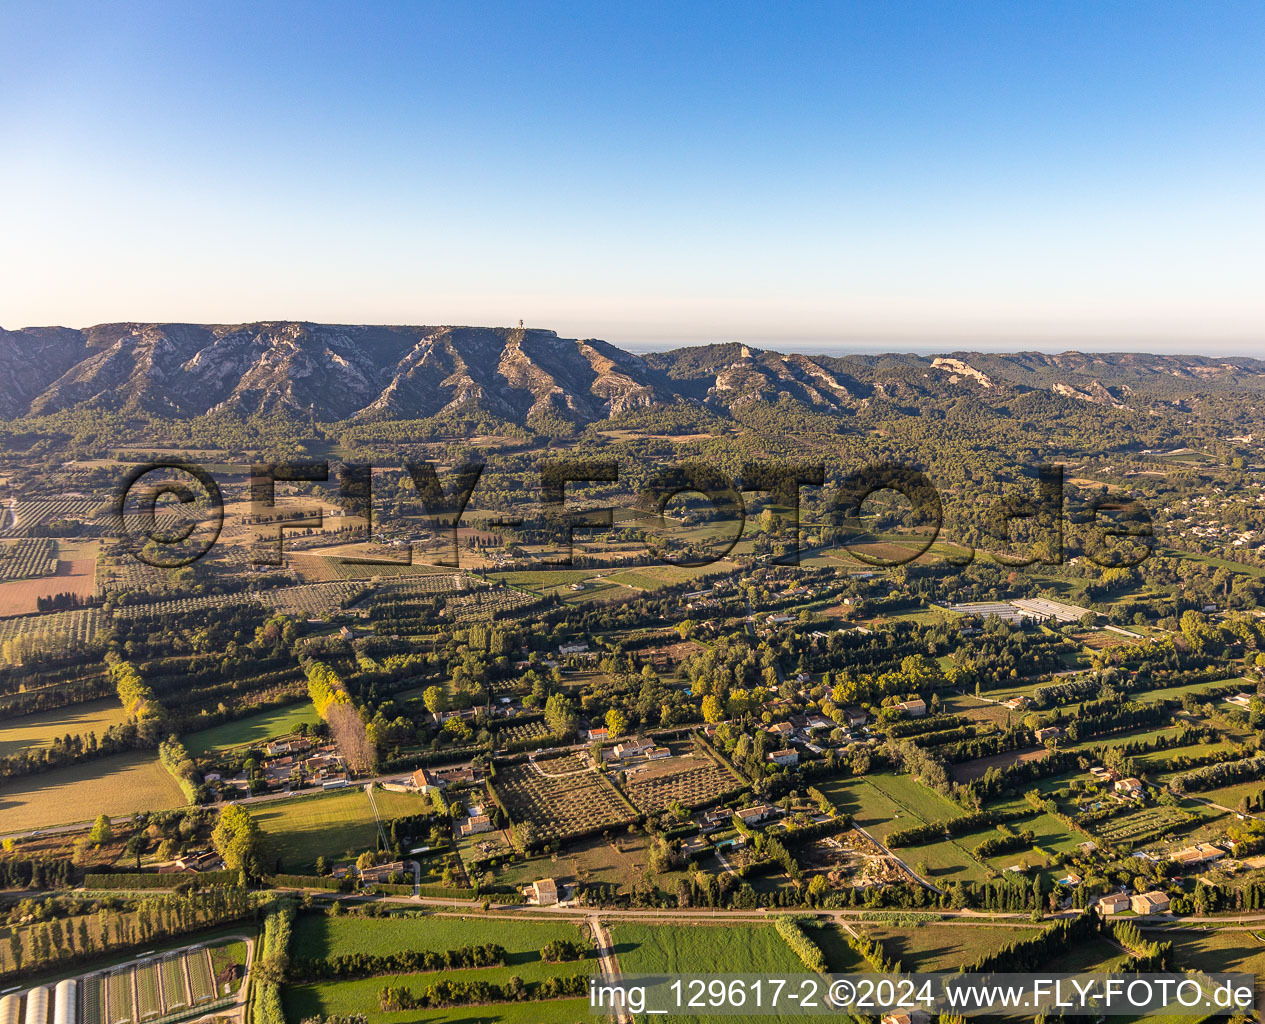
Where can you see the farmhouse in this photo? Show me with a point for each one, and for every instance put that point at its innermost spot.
(711, 821)
(1018, 703)
(380, 873)
(579, 648)
(598, 735)
(545, 892)
(1114, 903)
(755, 814)
(1200, 853)
(1130, 789)
(915, 708)
(782, 729)
(784, 757)
(637, 747)
(425, 781)
(1051, 732)
(658, 753)
(1242, 700)
(475, 825)
(207, 860)
(855, 717)
(1153, 902)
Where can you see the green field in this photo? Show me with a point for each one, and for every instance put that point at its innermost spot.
(671, 949)
(944, 946)
(116, 785)
(680, 949)
(884, 803)
(1218, 950)
(41, 728)
(318, 935)
(332, 825)
(251, 730)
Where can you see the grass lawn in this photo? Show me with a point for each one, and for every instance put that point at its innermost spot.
(319, 935)
(332, 825)
(253, 729)
(41, 728)
(116, 785)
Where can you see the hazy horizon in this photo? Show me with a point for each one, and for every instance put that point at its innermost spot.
(841, 346)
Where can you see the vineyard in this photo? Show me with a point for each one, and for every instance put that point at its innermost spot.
(27, 558)
(561, 808)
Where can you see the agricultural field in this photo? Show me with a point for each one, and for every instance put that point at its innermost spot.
(116, 785)
(908, 793)
(942, 945)
(487, 605)
(27, 558)
(1218, 950)
(154, 987)
(518, 732)
(70, 575)
(618, 861)
(333, 825)
(883, 803)
(251, 730)
(561, 808)
(312, 600)
(21, 516)
(317, 935)
(671, 949)
(42, 727)
(678, 949)
(691, 779)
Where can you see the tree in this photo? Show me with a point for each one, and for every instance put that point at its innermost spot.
(102, 831)
(713, 710)
(135, 846)
(616, 723)
(237, 838)
(435, 699)
(560, 714)
(524, 836)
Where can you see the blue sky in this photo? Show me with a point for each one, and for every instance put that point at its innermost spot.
(834, 175)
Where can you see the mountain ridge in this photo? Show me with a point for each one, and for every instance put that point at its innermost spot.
(533, 377)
